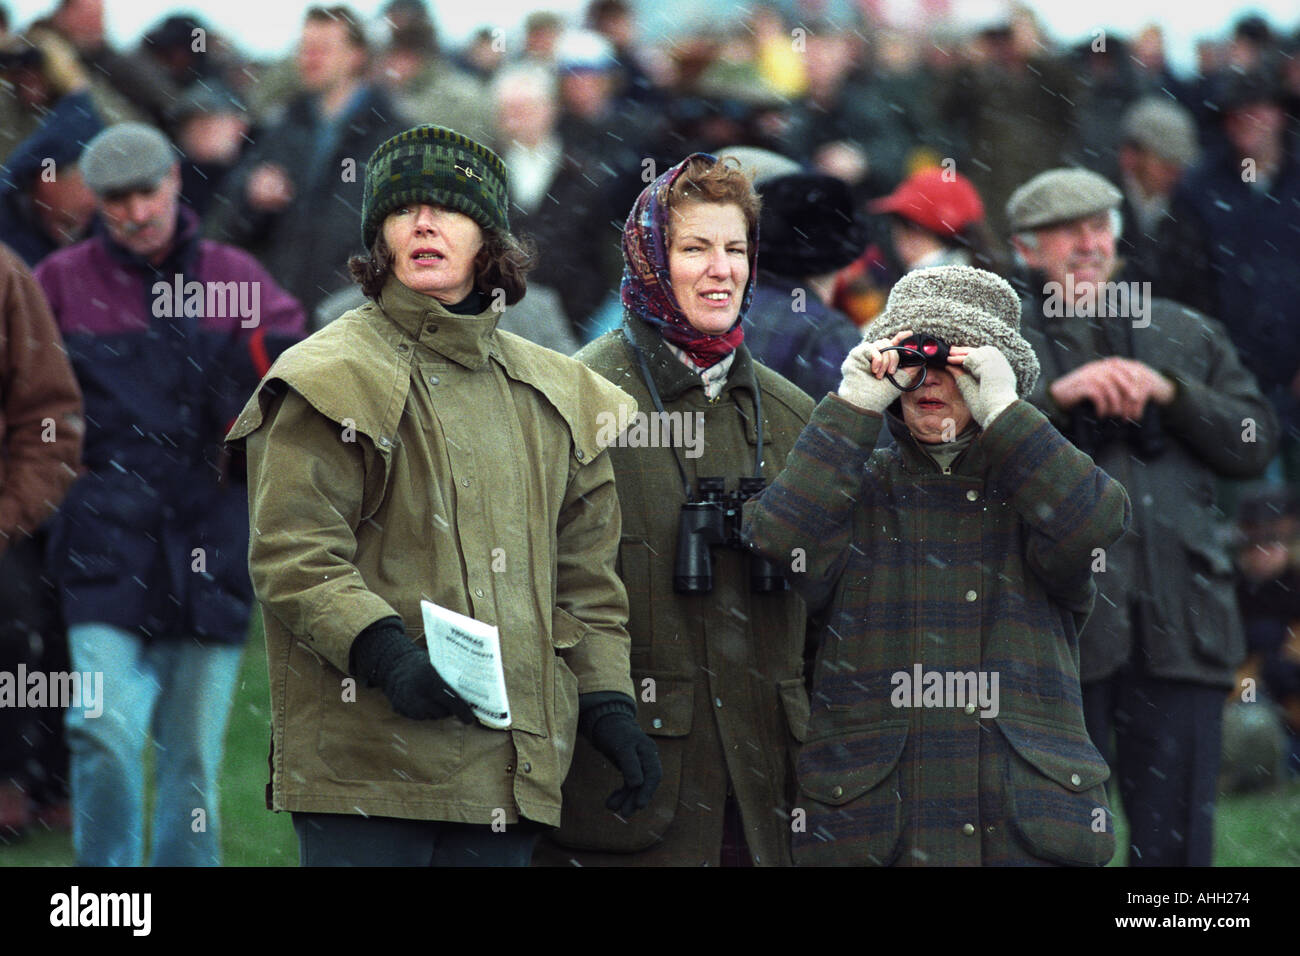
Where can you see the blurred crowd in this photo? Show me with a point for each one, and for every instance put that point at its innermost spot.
(926, 133)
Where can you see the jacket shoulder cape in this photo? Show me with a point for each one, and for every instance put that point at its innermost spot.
(354, 371)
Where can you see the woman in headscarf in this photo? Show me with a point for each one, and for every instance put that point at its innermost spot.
(717, 641)
(411, 451)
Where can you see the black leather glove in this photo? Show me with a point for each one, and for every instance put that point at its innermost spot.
(383, 656)
(609, 721)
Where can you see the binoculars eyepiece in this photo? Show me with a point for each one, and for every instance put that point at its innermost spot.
(919, 351)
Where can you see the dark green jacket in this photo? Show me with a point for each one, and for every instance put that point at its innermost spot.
(726, 668)
(1172, 563)
(984, 569)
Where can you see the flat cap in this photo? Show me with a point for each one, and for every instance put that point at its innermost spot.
(1161, 126)
(126, 157)
(1060, 195)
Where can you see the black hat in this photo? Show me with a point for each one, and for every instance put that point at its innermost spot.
(1242, 89)
(809, 226)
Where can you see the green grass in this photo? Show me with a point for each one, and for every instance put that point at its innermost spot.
(1258, 829)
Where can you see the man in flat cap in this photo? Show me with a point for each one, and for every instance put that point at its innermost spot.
(167, 333)
(1158, 145)
(1156, 394)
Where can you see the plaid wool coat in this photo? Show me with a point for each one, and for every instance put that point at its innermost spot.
(983, 568)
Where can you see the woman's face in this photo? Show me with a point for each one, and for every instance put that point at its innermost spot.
(936, 412)
(708, 263)
(433, 250)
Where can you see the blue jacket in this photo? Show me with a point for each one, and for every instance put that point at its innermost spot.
(797, 336)
(153, 537)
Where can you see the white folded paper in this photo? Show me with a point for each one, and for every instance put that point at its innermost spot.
(467, 655)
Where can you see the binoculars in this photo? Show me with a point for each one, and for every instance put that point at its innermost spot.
(924, 351)
(712, 518)
(1090, 433)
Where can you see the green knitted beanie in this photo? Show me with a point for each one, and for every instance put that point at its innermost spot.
(438, 167)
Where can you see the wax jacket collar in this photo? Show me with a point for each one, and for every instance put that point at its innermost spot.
(467, 340)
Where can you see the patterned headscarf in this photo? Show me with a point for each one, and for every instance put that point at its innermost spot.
(647, 288)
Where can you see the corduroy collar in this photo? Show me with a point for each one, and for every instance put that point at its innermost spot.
(467, 340)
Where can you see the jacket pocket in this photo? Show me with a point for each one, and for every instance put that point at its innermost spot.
(794, 699)
(1056, 798)
(849, 785)
(364, 739)
(586, 823)
(1211, 604)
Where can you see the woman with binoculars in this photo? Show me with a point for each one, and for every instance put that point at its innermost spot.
(955, 571)
(717, 637)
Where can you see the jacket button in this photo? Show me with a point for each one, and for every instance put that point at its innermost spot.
(837, 792)
(971, 595)
(465, 482)
(580, 454)
(717, 701)
(1075, 779)
(478, 592)
(403, 347)
(970, 708)
(510, 768)
(972, 495)
(657, 723)
(528, 768)
(385, 442)
(968, 829)
(431, 328)
(433, 380)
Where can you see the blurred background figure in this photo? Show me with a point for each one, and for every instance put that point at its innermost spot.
(934, 218)
(1157, 146)
(41, 432)
(293, 199)
(44, 201)
(1229, 248)
(808, 231)
(211, 129)
(1268, 562)
(426, 86)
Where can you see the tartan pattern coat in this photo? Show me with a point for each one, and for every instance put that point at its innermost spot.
(982, 567)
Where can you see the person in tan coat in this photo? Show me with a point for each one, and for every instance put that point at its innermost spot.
(41, 433)
(410, 450)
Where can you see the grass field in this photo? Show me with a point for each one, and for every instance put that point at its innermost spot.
(1261, 829)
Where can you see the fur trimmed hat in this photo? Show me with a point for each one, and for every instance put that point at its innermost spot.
(437, 166)
(962, 306)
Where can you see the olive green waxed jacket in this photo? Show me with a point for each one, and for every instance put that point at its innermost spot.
(402, 453)
(719, 676)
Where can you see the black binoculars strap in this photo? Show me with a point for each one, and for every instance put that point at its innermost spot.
(659, 407)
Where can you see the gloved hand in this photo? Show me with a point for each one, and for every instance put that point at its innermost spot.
(989, 385)
(860, 386)
(383, 656)
(609, 722)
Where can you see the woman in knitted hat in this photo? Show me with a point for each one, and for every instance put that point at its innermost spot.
(956, 571)
(412, 451)
(717, 639)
